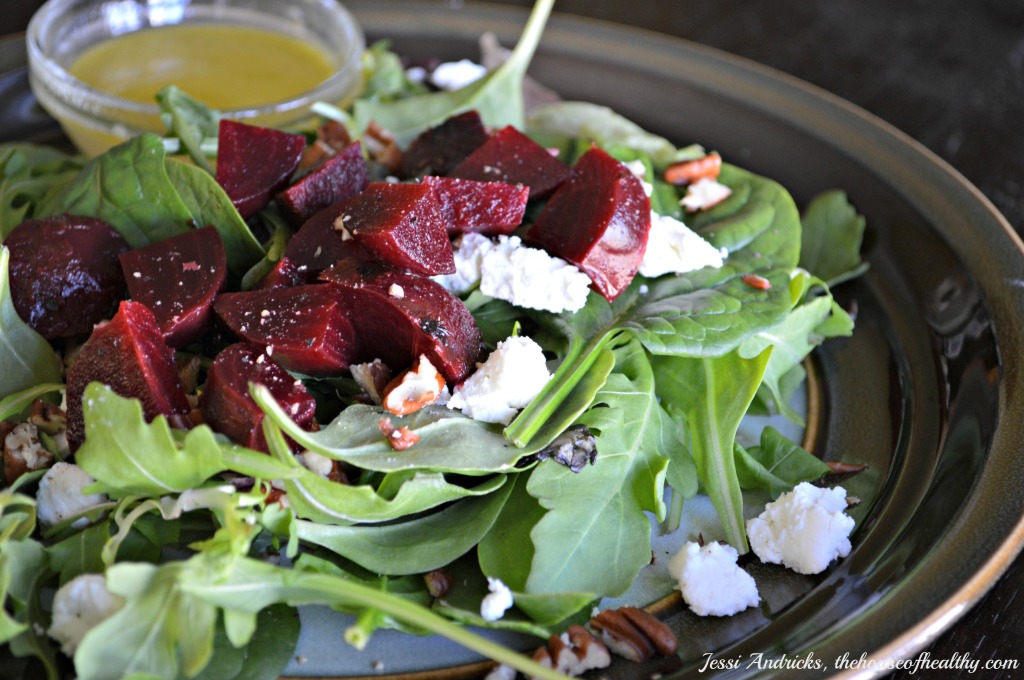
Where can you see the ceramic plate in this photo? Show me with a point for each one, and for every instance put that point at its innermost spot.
(929, 392)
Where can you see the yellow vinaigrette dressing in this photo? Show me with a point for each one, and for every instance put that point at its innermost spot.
(225, 66)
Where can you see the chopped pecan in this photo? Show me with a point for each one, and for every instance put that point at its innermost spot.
(836, 467)
(372, 378)
(382, 147)
(23, 452)
(688, 172)
(573, 653)
(634, 633)
(412, 390)
(399, 438)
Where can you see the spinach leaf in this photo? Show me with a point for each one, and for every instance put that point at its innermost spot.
(26, 358)
(384, 76)
(777, 464)
(832, 235)
(209, 205)
(128, 188)
(712, 396)
(191, 121)
(29, 175)
(498, 96)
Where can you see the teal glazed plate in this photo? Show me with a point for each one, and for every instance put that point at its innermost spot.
(929, 391)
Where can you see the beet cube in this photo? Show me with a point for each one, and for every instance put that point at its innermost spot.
(399, 316)
(510, 156)
(338, 178)
(599, 221)
(228, 407)
(129, 354)
(304, 327)
(178, 278)
(401, 225)
(64, 274)
(489, 208)
(254, 163)
(439, 149)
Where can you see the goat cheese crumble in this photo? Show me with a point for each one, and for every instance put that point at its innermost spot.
(804, 529)
(703, 194)
(526, 277)
(78, 606)
(454, 75)
(711, 582)
(497, 602)
(60, 495)
(513, 374)
(673, 248)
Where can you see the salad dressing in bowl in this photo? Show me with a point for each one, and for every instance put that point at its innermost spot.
(97, 65)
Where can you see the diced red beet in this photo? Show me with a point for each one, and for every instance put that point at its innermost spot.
(510, 156)
(599, 221)
(489, 208)
(64, 274)
(398, 316)
(314, 247)
(178, 279)
(228, 407)
(254, 163)
(304, 327)
(338, 178)
(401, 225)
(439, 149)
(129, 354)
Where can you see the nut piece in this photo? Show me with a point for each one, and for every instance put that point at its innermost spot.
(439, 582)
(399, 438)
(574, 652)
(634, 633)
(688, 172)
(372, 378)
(23, 452)
(413, 389)
(382, 147)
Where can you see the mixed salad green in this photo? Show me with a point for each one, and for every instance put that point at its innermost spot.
(662, 377)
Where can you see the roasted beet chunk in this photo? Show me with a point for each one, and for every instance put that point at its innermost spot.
(228, 407)
(599, 221)
(129, 354)
(400, 224)
(437, 150)
(178, 278)
(338, 178)
(490, 208)
(510, 156)
(254, 163)
(64, 274)
(305, 327)
(399, 316)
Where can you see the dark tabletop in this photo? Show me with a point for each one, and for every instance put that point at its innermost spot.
(950, 73)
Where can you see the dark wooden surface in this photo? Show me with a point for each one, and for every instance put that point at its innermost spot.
(947, 72)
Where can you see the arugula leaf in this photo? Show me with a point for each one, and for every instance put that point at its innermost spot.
(128, 456)
(498, 96)
(384, 76)
(712, 395)
(29, 175)
(191, 121)
(16, 403)
(24, 569)
(777, 464)
(128, 188)
(832, 235)
(209, 205)
(26, 358)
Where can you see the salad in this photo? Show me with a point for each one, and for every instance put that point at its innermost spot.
(364, 413)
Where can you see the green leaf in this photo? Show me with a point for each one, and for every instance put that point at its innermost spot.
(384, 74)
(26, 358)
(208, 205)
(24, 570)
(713, 394)
(832, 235)
(191, 121)
(16, 403)
(412, 546)
(777, 464)
(29, 175)
(128, 188)
(498, 96)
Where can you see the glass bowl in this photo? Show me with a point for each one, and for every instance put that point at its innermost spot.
(94, 119)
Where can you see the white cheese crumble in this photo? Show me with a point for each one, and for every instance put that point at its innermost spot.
(316, 462)
(704, 193)
(454, 75)
(60, 495)
(527, 277)
(804, 529)
(497, 602)
(513, 374)
(78, 606)
(673, 248)
(711, 582)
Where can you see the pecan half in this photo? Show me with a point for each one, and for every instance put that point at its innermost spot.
(688, 172)
(634, 633)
